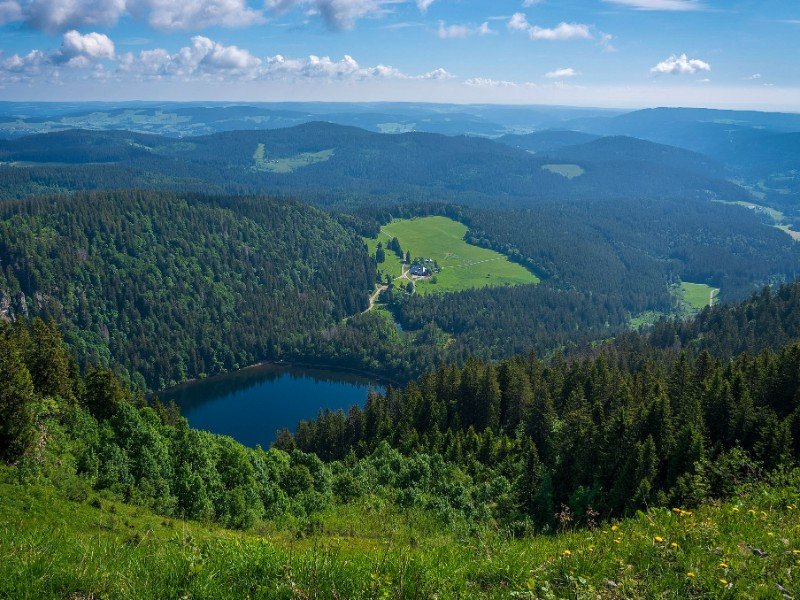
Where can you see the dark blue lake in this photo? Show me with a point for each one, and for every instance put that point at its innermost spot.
(251, 405)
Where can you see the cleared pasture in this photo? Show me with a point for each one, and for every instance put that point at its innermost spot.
(463, 266)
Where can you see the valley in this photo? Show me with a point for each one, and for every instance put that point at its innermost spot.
(496, 351)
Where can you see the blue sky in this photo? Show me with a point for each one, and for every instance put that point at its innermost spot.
(622, 53)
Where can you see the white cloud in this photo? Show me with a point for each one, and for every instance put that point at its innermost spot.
(561, 32)
(755, 76)
(93, 55)
(675, 5)
(189, 15)
(529, 3)
(437, 75)
(447, 32)
(207, 59)
(680, 65)
(424, 5)
(518, 22)
(483, 82)
(59, 15)
(561, 73)
(338, 14)
(77, 52)
(82, 50)
(605, 42)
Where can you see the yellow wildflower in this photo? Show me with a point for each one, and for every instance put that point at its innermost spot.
(658, 539)
(723, 581)
(770, 534)
(677, 511)
(723, 565)
(735, 509)
(614, 527)
(617, 540)
(691, 575)
(674, 545)
(566, 553)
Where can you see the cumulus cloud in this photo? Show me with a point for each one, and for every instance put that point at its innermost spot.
(561, 32)
(77, 51)
(424, 5)
(673, 5)
(518, 22)
(203, 59)
(680, 65)
(82, 50)
(561, 73)
(59, 15)
(447, 32)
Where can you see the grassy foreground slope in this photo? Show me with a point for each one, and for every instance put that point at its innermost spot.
(463, 266)
(51, 547)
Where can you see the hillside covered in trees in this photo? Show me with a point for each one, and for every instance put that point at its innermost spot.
(339, 166)
(173, 287)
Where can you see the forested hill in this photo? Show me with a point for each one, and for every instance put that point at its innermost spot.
(544, 141)
(632, 424)
(173, 286)
(627, 149)
(336, 165)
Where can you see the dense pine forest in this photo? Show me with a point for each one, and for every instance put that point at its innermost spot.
(174, 287)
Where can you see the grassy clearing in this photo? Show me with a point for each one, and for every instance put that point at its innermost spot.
(52, 548)
(261, 162)
(463, 266)
(568, 171)
(698, 295)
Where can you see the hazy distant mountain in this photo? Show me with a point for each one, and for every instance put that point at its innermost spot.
(333, 164)
(550, 139)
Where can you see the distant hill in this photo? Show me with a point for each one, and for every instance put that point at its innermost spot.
(626, 149)
(338, 165)
(542, 141)
(180, 119)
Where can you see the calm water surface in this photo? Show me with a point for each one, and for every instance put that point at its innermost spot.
(251, 405)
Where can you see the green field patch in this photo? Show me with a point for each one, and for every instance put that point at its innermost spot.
(568, 171)
(698, 295)
(462, 265)
(263, 162)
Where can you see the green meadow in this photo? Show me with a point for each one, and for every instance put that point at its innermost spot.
(568, 171)
(80, 546)
(262, 162)
(463, 266)
(697, 295)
